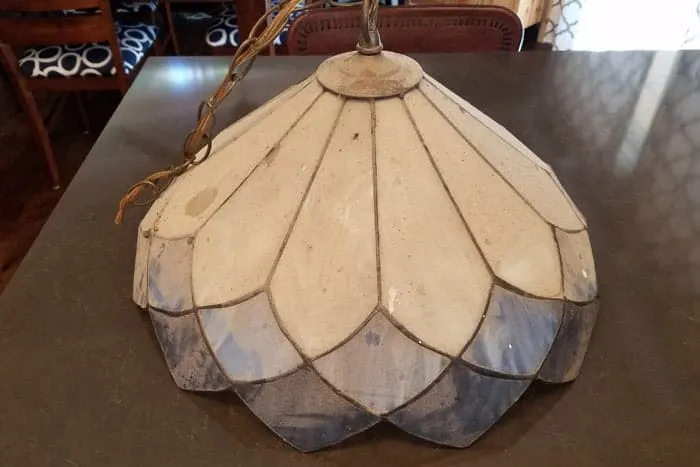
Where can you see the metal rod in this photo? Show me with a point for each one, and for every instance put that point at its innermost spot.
(369, 42)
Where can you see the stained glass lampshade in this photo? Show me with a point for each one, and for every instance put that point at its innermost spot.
(368, 246)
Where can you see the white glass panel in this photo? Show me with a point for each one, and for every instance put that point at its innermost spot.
(235, 250)
(326, 282)
(434, 281)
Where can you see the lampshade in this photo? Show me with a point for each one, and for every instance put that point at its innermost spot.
(368, 246)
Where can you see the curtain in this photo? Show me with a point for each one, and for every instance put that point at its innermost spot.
(560, 23)
(621, 24)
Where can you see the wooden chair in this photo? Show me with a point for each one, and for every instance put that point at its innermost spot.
(230, 24)
(67, 45)
(226, 22)
(409, 30)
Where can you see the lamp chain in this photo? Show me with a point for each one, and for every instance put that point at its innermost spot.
(258, 40)
(369, 42)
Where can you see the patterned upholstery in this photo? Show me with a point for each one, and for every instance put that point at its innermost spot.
(144, 6)
(86, 11)
(89, 59)
(196, 15)
(120, 8)
(282, 38)
(225, 33)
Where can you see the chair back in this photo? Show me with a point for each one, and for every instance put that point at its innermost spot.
(412, 29)
(43, 22)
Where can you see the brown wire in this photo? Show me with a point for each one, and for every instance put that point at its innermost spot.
(201, 136)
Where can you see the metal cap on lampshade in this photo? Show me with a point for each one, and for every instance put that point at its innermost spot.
(368, 246)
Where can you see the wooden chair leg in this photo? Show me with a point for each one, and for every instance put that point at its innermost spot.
(161, 43)
(171, 27)
(164, 33)
(33, 113)
(122, 81)
(51, 118)
(40, 133)
(80, 103)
